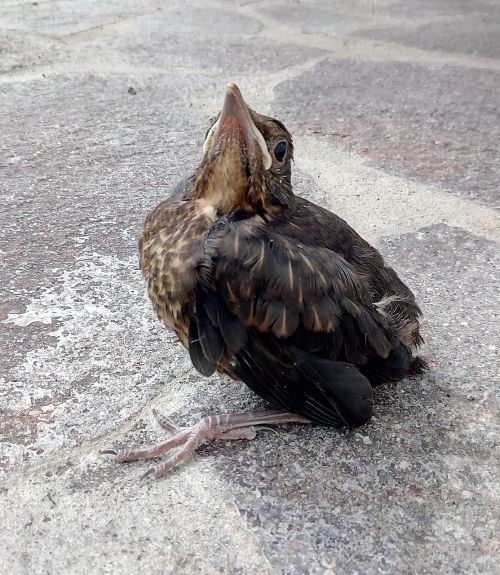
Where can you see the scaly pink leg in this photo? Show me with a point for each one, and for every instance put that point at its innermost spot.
(227, 426)
(241, 433)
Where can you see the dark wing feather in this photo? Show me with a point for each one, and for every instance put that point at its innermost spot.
(231, 333)
(394, 299)
(211, 340)
(206, 342)
(198, 358)
(326, 392)
(277, 286)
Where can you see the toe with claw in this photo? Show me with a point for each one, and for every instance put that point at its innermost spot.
(188, 439)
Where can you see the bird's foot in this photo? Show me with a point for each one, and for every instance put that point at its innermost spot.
(228, 426)
(420, 364)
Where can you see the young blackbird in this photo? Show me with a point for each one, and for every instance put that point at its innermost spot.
(271, 289)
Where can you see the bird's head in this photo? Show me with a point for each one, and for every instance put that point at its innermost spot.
(246, 165)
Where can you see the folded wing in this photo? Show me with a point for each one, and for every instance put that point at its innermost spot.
(289, 320)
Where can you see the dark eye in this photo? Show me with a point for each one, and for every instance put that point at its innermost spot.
(280, 151)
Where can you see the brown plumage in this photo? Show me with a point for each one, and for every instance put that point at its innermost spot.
(270, 288)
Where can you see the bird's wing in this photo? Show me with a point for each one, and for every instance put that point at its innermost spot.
(394, 299)
(278, 286)
(263, 298)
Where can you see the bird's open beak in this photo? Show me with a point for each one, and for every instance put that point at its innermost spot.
(235, 120)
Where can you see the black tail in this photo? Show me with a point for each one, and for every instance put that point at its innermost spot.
(326, 392)
(345, 388)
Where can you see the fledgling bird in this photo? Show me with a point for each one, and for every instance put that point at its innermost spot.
(271, 289)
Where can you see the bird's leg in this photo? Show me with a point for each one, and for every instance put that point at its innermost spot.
(232, 434)
(227, 426)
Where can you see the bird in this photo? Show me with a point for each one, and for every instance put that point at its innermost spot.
(270, 289)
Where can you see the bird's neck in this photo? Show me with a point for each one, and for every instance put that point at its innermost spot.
(228, 189)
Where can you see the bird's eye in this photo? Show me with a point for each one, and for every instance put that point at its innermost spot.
(280, 151)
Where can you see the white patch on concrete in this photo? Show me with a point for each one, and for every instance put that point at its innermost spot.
(111, 356)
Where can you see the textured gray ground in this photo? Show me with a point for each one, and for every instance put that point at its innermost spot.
(395, 111)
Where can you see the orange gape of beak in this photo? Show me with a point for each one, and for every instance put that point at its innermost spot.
(235, 120)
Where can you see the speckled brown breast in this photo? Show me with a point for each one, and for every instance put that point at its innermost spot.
(171, 251)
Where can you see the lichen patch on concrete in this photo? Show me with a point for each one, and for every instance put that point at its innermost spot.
(98, 373)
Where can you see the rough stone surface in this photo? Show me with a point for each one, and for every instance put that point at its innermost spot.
(470, 35)
(430, 125)
(394, 110)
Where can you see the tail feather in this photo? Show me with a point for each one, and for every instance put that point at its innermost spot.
(326, 392)
(344, 387)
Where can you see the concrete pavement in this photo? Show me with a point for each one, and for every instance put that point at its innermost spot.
(394, 107)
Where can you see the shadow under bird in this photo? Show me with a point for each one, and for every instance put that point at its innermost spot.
(270, 289)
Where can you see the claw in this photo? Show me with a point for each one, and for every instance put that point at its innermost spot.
(108, 452)
(165, 422)
(149, 472)
(228, 426)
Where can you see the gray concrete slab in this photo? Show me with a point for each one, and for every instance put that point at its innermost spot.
(468, 35)
(104, 107)
(431, 125)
